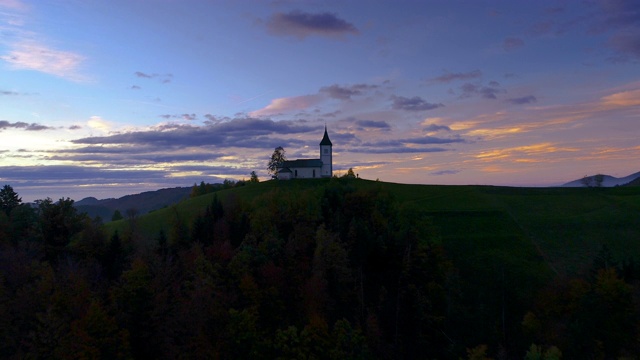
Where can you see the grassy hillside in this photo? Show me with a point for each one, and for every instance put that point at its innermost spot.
(562, 227)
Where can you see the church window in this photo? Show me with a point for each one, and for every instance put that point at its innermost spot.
(326, 151)
(296, 173)
(314, 172)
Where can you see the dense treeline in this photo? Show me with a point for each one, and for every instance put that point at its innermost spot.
(206, 188)
(330, 272)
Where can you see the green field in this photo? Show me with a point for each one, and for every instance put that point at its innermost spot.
(543, 229)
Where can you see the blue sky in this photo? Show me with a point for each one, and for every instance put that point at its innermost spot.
(111, 98)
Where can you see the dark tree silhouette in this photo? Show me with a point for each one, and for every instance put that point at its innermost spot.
(350, 173)
(117, 215)
(59, 221)
(9, 199)
(277, 158)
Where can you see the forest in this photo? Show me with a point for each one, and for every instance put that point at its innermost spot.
(329, 271)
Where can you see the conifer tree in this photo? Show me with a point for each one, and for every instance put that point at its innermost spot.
(9, 199)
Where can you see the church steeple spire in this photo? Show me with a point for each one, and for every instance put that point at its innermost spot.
(325, 138)
(326, 155)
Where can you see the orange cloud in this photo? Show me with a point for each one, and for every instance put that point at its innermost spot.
(495, 133)
(519, 151)
(623, 99)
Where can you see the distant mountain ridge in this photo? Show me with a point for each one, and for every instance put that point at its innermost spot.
(142, 203)
(607, 181)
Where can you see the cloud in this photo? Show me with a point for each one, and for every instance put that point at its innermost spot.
(9, 93)
(373, 124)
(140, 74)
(623, 99)
(621, 18)
(426, 140)
(345, 92)
(530, 99)
(344, 138)
(406, 145)
(396, 150)
(163, 78)
(617, 19)
(14, 5)
(524, 153)
(96, 122)
(31, 55)
(239, 132)
(444, 172)
(301, 24)
(511, 43)
(435, 128)
(120, 156)
(188, 117)
(282, 105)
(627, 43)
(412, 104)
(135, 87)
(618, 14)
(4, 124)
(214, 120)
(449, 77)
(487, 92)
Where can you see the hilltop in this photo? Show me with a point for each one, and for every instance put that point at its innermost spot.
(605, 180)
(142, 203)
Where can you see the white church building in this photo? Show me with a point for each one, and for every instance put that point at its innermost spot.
(309, 168)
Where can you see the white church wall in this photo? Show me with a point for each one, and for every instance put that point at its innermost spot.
(305, 173)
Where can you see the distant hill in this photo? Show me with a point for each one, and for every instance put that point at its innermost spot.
(635, 182)
(607, 180)
(142, 203)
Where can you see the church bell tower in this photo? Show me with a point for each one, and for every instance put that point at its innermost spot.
(326, 155)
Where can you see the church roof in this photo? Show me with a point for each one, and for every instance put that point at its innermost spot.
(302, 163)
(325, 138)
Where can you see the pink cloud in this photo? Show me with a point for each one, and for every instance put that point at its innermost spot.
(30, 55)
(283, 105)
(14, 5)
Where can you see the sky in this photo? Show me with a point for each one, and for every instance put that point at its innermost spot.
(109, 98)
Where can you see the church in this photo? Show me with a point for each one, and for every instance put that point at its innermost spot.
(309, 168)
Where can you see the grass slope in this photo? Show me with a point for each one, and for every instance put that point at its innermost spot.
(531, 230)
